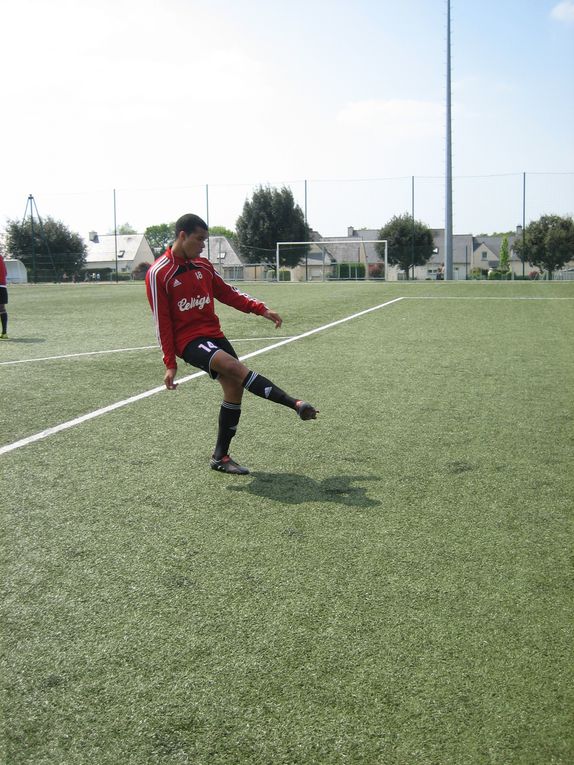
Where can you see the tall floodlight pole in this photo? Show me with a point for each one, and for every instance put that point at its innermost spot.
(207, 219)
(413, 224)
(448, 185)
(306, 250)
(523, 220)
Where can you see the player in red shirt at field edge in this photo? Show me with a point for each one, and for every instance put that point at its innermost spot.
(181, 287)
(3, 299)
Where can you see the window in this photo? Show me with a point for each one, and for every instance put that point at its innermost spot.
(484, 255)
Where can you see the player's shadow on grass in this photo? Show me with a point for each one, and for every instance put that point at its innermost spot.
(25, 340)
(295, 489)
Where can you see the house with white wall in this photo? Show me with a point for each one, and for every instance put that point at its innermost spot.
(129, 251)
(16, 272)
(486, 254)
(470, 254)
(462, 254)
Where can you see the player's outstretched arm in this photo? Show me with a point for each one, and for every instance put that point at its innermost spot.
(274, 317)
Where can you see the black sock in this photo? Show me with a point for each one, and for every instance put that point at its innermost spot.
(263, 387)
(4, 317)
(229, 415)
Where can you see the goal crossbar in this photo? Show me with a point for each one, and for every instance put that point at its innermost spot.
(333, 241)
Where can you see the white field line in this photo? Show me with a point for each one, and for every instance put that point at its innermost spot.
(106, 409)
(113, 350)
(247, 339)
(478, 297)
(75, 355)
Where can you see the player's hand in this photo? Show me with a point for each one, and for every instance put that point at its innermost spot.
(168, 379)
(274, 317)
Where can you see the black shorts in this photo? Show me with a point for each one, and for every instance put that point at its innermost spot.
(200, 351)
(3, 295)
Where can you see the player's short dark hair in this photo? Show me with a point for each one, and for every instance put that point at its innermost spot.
(188, 223)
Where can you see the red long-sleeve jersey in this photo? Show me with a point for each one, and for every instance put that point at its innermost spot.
(3, 277)
(181, 293)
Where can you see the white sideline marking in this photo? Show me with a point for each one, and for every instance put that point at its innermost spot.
(74, 355)
(110, 408)
(85, 418)
(114, 350)
(478, 297)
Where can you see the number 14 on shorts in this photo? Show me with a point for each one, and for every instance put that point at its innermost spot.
(208, 347)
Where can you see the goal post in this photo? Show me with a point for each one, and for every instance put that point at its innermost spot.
(333, 247)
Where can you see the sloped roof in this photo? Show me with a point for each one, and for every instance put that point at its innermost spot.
(343, 252)
(318, 255)
(462, 247)
(221, 252)
(493, 243)
(129, 245)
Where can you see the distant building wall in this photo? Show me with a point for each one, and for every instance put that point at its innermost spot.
(16, 272)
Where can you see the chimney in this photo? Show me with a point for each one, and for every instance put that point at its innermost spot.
(350, 231)
(519, 230)
(94, 237)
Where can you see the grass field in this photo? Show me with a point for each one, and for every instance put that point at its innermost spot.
(391, 585)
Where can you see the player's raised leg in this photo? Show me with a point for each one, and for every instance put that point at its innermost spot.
(233, 369)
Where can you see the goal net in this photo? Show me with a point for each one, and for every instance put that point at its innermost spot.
(327, 259)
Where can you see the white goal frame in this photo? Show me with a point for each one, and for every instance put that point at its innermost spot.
(335, 241)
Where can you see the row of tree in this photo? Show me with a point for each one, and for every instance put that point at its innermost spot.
(548, 243)
(272, 216)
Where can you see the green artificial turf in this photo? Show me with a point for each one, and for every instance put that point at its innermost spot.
(392, 583)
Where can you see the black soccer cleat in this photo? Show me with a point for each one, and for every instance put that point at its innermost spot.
(306, 411)
(227, 465)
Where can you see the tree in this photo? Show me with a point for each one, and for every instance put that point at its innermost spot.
(159, 237)
(504, 259)
(230, 235)
(222, 231)
(410, 242)
(125, 228)
(48, 249)
(548, 242)
(270, 217)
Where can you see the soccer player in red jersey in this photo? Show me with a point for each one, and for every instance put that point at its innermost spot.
(181, 287)
(3, 299)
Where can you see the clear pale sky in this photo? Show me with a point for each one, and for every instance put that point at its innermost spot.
(157, 98)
